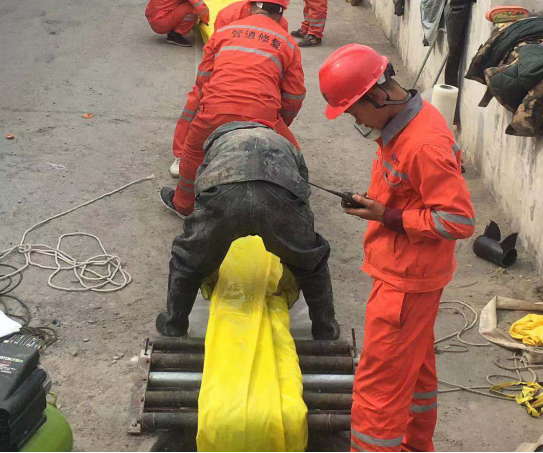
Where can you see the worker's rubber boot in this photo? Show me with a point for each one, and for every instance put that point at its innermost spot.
(325, 328)
(169, 326)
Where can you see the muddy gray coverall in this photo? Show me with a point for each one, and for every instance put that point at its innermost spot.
(252, 182)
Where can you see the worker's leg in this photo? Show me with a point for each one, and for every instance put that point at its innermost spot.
(316, 17)
(398, 332)
(181, 20)
(218, 220)
(423, 411)
(286, 225)
(305, 23)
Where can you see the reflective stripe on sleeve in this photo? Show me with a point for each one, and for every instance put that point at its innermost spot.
(376, 441)
(440, 228)
(251, 50)
(294, 97)
(204, 73)
(265, 30)
(455, 218)
(420, 408)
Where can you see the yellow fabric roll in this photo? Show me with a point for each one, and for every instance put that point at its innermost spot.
(251, 395)
(528, 329)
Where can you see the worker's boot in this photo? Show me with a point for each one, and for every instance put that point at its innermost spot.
(298, 33)
(169, 325)
(309, 41)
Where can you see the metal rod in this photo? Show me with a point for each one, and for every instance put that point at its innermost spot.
(427, 56)
(152, 421)
(332, 383)
(303, 347)
(333, 192)
(177, 398)
(308, 364)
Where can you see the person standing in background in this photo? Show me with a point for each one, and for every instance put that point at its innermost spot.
(312, 28)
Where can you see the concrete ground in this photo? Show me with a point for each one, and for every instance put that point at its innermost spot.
(62, 58)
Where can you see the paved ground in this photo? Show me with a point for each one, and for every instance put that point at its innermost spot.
(61, 59)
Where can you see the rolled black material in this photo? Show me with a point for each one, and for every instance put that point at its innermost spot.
(308, 364)
(489, 247)
(153, 421)
(303, 347)
(189, 399)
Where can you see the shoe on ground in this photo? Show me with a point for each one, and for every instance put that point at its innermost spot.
(174, 169)
(310, 41)
(169, 329)
(298, 33)
(328, 330)
(178, 39)
(166, 197)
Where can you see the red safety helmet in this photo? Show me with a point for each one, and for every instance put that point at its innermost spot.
(347, 75)
(283, 3)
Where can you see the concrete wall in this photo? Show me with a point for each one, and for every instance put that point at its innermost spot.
(512, 167)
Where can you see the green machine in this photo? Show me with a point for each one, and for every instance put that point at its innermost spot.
(27, 421)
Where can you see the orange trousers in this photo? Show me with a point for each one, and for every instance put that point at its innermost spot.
(181, 20)
(314, 17)
(192, 153)
(395, 389)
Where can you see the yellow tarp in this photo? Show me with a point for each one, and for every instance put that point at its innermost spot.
(251, 394)
(214, 7)
(528, 329)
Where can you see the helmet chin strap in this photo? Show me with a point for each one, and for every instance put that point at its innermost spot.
(388, 100)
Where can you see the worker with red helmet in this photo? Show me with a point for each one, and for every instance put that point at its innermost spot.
(312, 29)
(240, 10)
(417, 206)
(175, 18)
(251, 71)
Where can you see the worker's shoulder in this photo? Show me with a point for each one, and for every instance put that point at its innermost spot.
(428, 133)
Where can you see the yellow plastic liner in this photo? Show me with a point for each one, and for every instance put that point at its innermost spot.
(251, 394)
(214, 7)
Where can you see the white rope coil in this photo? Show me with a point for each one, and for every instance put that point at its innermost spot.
(101, 273)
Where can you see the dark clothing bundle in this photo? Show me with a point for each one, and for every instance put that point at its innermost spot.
(252, 182)
(510, 63)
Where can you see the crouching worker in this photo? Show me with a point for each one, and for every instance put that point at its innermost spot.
(252, 182)
(175, 18)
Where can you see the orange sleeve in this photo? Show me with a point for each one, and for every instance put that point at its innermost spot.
(292, 89)
(201, 9)
(436, 175)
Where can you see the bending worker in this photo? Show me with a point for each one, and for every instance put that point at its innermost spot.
(175, 18)
(417, 206)
(252, 182)
(251, 69)
(237, 11)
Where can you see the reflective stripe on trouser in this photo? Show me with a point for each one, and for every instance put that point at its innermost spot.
(192, 154)
(314, 17)
(174, 20)
(395, 389)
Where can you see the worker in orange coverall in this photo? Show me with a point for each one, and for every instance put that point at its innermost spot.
(251, 71)
(237, 11)
(175, 18)
(312, 28)
(417, 205)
